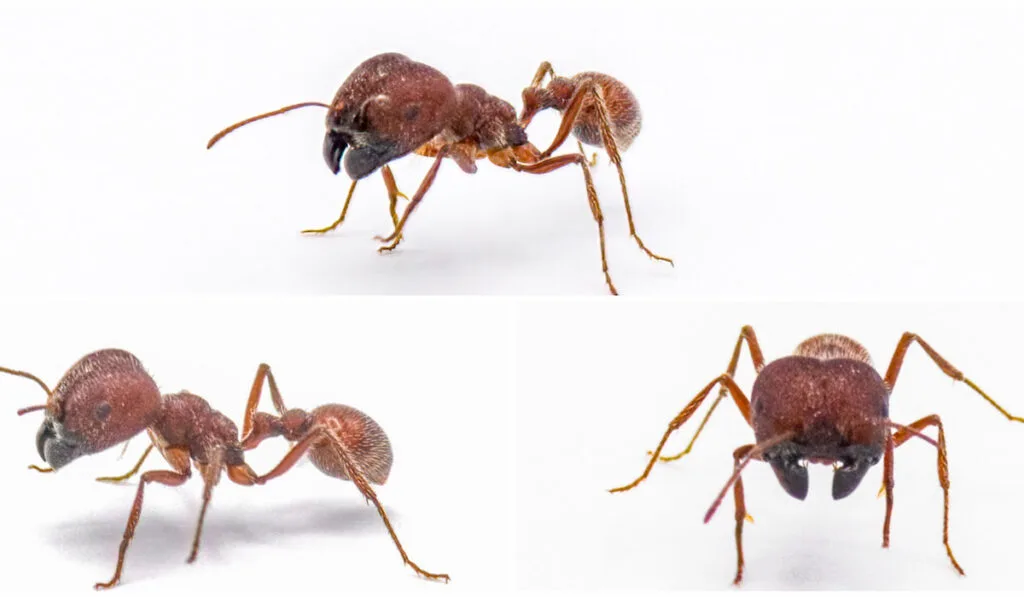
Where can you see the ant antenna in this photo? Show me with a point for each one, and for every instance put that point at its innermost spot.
(755, 452)
(28, 375)
(237, 125)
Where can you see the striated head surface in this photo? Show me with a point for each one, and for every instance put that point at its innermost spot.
(385, 109)
(104, 399)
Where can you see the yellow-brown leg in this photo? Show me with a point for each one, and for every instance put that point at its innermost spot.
(685, 414)
(747, 333)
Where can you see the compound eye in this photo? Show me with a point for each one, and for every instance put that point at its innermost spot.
(102, 411)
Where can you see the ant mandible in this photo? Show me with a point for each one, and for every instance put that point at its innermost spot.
(106, 398)
(824, 404)
(391, 106)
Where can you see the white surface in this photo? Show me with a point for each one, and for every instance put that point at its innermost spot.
(435, 383)
(803, 149)
(599, 384)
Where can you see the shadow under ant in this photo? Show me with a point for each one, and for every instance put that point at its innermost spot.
(92, 540)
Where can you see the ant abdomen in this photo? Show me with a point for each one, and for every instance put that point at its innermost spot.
(623, 112)
(826, 347)
(364, 439)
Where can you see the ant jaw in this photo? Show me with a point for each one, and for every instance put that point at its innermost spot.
(334, 147)
(792, 475)
(847, 477)
(55, 446)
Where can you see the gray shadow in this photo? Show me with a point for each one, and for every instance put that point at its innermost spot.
(162, 542)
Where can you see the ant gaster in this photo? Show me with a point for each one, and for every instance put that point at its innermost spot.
(825, 404)
(106, 398)
(342, 442)
(599, 110)
(391, 106)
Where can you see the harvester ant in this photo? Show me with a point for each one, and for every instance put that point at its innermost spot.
(107, 397)
(391, 106)
(824, 404)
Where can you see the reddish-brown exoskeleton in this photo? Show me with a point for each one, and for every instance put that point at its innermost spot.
(599, 110)
(825, 404)
(106, 398)
(391, 106)
(341, 441)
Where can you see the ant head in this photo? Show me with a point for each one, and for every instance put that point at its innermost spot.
(104, 399)
(388, 107)
(834, 408)
(556, 95)
(293, 424)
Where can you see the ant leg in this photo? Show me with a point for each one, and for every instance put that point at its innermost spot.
(899, 438)
(747, 333)
(551, 164)
(897, 361)
(169, 478)
(262, 372)
(341, 218)
(741, 510)
(393, 193)
(737, 394)
(396, 237)
(354, 473)
(592, 89)
(543, 70)
(35, 467)
(131, 473)
(211, 475)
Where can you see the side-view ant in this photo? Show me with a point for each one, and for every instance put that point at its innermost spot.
(391, 106)
(107, 397)
(825, 404)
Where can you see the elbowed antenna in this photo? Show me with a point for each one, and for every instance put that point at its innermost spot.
(41, 383)
(237, 125)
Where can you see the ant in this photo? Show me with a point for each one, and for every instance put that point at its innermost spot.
(106, 398)
(599, 110)
(824, 404)
(391, 106)
(342, 442)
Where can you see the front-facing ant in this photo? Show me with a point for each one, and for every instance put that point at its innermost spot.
(824, 404)
(391, 106)
(107, 397)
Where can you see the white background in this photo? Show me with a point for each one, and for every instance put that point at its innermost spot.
(598, 385)
(799, 149)
(433, 374)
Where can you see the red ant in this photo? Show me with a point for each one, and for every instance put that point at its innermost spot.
(391, 106)
(825, 404)
(107, 397)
